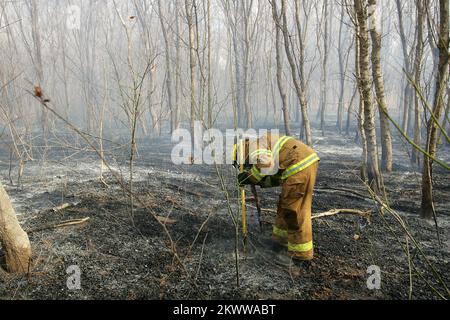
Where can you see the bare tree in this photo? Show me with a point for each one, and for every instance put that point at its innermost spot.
(178, 86)
(144, 20)
(325, 58)
(441, 86)
(232, 13)
(299, 89)
(386, 139)
(249, 30)
(209, 65)
(301, 35)
(373, 172)
(38, 63)
(280, 80)
(132, 96)
(340, 50)
(415, 159)
(169, 73)
(189, 7)
(360, 133)
(407, 95)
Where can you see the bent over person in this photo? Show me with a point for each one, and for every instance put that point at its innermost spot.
(272, 161)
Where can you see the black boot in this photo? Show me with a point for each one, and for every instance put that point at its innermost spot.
(283, 259)
(273, 245)
(278, 248)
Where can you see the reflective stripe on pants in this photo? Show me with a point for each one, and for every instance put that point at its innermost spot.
(300, 247)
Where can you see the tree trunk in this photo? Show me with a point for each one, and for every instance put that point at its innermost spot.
(415, 156)
(14, 240)
(441, 85)
(350, 110)
(431, 39)
(341, 74)
(192, 66)
(407, 68)
(373, 173)
(360, 135)
(406, 107)
(209, 86)
(173, 119)
(246, 61)
(35, 32)
(445, 122)
(235, 25)
(238, 81)
(324, 80)
(177, 67)
(156, 126)
(281, 86)
(306, 126)
(377, 73)
(232, 79)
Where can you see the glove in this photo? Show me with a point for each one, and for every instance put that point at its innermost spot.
(247, 166)
(244, 179)
(270, 182)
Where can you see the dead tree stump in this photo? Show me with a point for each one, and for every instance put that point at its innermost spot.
(14, 240)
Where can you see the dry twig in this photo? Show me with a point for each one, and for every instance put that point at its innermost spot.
(63, 224)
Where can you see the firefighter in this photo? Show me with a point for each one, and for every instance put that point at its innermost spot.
(273, 161)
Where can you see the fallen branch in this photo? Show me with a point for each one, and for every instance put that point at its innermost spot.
(351, 192)
(332, 212)
(263, 209)
(61, 207)
(60, 225)
(165, 220)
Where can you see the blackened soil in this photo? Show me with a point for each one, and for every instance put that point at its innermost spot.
(132, 257)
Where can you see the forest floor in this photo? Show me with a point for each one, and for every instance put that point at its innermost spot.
(121, 261)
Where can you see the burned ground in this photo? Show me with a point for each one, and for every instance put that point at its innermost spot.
(121, 257)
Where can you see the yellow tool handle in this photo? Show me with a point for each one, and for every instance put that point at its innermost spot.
(244, 213)
(243, 206)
